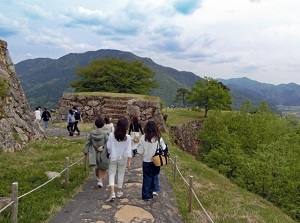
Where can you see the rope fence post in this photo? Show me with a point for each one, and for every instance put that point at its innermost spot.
(175, 167)
(191, 194)
(67, 171)
(14, 214)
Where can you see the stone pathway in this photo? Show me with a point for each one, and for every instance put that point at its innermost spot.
(91, 204)
(62, 132)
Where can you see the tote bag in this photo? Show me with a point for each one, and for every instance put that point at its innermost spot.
(161, 157)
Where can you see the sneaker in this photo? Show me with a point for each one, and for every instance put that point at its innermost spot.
(147, 199)
(112, 197)
(119, 193)
(154, 193)
(100, 184)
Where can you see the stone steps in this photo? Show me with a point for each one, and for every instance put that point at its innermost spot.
(114, 111)
(116, 108)
(121, 102)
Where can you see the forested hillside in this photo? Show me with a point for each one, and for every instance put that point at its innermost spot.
(44, 80)
(282, 94)
(258, 151)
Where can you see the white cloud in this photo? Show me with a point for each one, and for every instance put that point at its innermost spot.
(215, 38)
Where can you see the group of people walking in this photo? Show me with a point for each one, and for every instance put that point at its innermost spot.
(44, 115)
(73, 119)
(111, 149)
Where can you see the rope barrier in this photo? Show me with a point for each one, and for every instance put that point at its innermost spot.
(36, 188)
(6, 206)
(76, 162)
(82, 159)
(41, 185)
(207, 215)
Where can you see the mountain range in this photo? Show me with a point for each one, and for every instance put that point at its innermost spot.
(44, 80)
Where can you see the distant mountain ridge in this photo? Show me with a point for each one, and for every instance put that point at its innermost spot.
(282, 94)
(44, 80)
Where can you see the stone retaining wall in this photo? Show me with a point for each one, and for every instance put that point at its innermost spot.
(186, 136)
(17, 125)
(93, 106)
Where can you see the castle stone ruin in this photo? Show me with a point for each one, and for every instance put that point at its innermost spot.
(17, 125)
(94, 105)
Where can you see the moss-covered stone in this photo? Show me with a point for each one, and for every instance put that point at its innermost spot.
(3, 88)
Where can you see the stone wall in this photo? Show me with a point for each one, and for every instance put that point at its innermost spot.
(186, 136)
(17, 125)
(114, 105)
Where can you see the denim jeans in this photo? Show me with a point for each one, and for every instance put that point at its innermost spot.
(46, 124)
(75, 127)
(150, 180)
(113, 166)
(70, 127)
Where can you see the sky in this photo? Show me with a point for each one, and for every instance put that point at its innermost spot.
(258, 39)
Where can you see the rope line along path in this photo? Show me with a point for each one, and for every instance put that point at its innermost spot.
(207, 215)
(29, 192)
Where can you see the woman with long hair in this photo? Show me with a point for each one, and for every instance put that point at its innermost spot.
(108, 127)
(119, 149)
(147, 146)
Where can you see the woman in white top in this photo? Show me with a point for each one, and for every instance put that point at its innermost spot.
(108, 127)
(147, 147)
(119, 149)
(37, 114)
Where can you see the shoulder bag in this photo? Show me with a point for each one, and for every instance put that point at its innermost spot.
(161, 157)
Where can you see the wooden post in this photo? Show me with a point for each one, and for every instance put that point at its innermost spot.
(85, 161)
(14, 214)
(175, 168)
(191, 194)
(67, 172)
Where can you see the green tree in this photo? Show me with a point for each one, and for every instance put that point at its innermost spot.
(181, 95)
(115, 75)
(259, 151)
(210, 94)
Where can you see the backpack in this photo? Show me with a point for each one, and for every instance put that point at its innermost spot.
(46, 116)
(77, 115)
(72, 119)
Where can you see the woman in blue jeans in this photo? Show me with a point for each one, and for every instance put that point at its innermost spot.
(147, 147)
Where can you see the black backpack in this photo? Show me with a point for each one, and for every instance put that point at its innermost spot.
(46, 116)
(77, 115)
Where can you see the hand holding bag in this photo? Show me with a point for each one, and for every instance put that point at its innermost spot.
(161, 157)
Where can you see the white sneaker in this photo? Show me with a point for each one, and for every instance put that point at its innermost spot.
(112, 197)
(154, 193)
(100, 184)
(119, 193)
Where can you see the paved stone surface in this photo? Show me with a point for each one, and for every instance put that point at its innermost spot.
(91, 204)
(62, 132)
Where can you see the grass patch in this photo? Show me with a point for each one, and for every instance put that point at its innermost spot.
(3, 88)
(119, 95)
(28, 167)
(179, 116)
(224, 201)
(83, 126)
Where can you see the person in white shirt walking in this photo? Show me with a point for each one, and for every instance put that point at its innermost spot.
(147, 147)
(37, 114)
(108, 127)
(119, 150)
